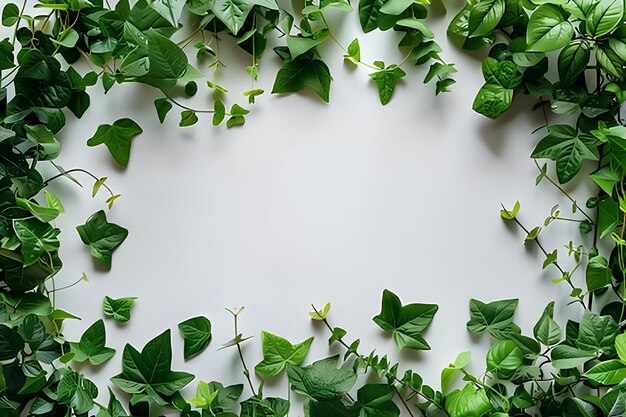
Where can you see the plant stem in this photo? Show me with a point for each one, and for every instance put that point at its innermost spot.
(246, 371)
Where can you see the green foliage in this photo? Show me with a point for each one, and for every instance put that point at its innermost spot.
(279, 352)
(91, 346)
(102, 237)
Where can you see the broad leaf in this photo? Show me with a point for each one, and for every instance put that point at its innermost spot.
(196, 333)
(118, 308)
(548, 29)
(278, 352)
(321, 380)
(102, 237)
(306, 71)
(91, 346)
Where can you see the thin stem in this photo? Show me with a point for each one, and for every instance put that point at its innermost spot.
(246, 371)
(558, 187)
(84, 171)
(182, 106)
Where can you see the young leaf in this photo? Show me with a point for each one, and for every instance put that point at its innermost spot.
(320, 314)
(163, 106)
(102, 237)
(278, 352)
(407, 323)
(118, 138)
(118, 309)
(91, 345)
(196, 333)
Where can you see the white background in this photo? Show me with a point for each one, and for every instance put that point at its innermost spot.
(309, 203)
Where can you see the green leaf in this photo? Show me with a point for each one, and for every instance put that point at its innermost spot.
(150, 369)
(102, 237)
(407, 323)
(369, 10)
(321, 314)
(11, 343)
(598, 274)
(597, 333)
(163, 106)
(118, 138)
(439, 70)
(604, 17)
(216, 397)
(573, 60)
(305, 71)
(547, 331)
(299, 45)
(91, 345)
(232, 13)
(354, 52)
(188, 118)
(567, 148)
(468, 402)
(41, 213)
(321, 380)
(279, 352)
(219, 112)
(37, 238)
(168, 62)
(48, 147)
(376, 400)
(171, 10)
(118, 309)
(503, 73)
(10, 14)
(386, 81)
(196, 333)
(485, 16)
(606, 178)
(568, 357)
(493, 317)
(609, 216)
(504, 357)
(548, 29)
(611, 372)
(492, 100)
(77, 391)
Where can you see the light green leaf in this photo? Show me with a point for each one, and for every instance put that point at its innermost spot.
(278, 352)
(118, 309)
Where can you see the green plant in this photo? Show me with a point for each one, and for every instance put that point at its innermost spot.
(576, 369)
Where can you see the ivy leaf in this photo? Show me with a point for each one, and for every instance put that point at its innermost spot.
(547, 331)
(376, 400)
(10, 14)
(354, 52)
(216, 397)
(369, 10)
(91, 345)
(278, 352)
(548, 29)
(321, 380)
(386, 81)
(493, 317)
(196, 333)
(407, 323)
(188, 118)
(568, 357)
(118, 138)
(37, 238)
(563, 145)
(102, 237)
(150, 369)
(306, 71)
(118, 309)
(606, 178)
(609, 216)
